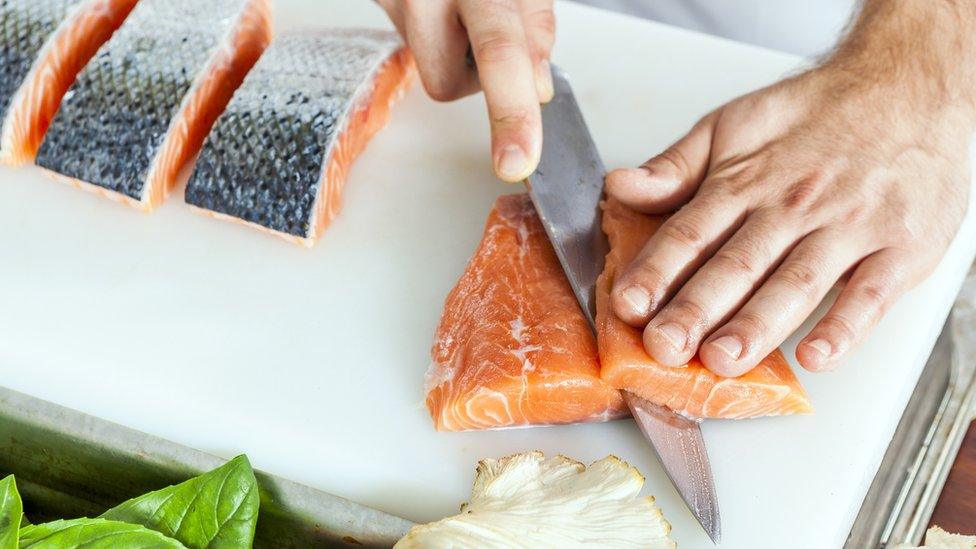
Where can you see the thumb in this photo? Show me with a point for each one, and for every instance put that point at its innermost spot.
(667, 181)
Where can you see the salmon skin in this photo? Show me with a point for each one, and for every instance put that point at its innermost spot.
(513, 347)
(139, 111)
(769, 389)
(43, 45)
(277, 158)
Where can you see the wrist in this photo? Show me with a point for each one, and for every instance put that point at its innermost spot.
(904, 98)
(916, 55)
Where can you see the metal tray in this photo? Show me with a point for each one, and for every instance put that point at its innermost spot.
(69, 464)
(902, 497)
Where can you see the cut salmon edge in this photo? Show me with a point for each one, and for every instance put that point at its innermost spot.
(361, 97)
(7, 155)
(299, 240)
(95, 189)
(224, 54)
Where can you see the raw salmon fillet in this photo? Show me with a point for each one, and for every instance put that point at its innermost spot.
(513, 347)
(770, 389)
(43, 45)
(138, 113)
(277, 158)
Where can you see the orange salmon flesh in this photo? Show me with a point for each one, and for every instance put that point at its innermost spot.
(514, 349)
(769, 389)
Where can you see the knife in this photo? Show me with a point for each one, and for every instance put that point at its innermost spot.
(566, 190)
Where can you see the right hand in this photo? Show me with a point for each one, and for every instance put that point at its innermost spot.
(511, 41)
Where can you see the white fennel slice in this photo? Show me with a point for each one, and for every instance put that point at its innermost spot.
(528, 500)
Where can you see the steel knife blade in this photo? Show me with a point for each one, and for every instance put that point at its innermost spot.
(566, 190)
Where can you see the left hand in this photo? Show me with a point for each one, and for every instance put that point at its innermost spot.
(781, 193)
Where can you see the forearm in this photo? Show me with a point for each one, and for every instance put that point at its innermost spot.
(924, 48)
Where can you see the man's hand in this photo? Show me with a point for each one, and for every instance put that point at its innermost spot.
(857, 168)
(510, 41)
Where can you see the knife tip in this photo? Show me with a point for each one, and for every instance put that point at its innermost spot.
(713, 528)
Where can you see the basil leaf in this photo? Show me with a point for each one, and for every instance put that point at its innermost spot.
(93, 534)
(11, 509)
(214, 510)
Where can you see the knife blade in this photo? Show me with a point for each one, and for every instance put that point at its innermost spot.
(566, 190)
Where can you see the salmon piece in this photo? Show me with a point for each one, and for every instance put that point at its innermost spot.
(770, 389)
(513, 347)
(278, 158)
(136, 117)
(43, 46)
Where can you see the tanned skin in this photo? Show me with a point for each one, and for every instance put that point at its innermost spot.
(856, 170)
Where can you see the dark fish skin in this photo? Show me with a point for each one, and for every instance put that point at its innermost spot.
(25, 26)
(116, 116)
(263, 162)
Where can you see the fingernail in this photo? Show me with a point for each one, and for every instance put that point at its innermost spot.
(544, 81)
(675, 334)
(729, 345)
(822, 346)
(513, 163)
(638, 299)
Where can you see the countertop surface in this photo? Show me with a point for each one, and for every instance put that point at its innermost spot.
(956, 510)
(312, 361)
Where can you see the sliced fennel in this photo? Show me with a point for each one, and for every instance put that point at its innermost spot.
(528, 500)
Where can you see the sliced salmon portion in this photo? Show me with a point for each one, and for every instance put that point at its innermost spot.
(770, 389)
(46, 43)
(279, 155)
(513, 347)
(137, 115)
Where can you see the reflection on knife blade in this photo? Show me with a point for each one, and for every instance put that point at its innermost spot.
(678, 443)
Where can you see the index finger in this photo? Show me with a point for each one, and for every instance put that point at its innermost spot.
(507, 76)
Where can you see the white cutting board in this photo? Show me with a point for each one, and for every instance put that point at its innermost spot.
(312, 361)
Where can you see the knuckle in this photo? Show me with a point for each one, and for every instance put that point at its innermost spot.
(738, 262)
(873, 296)
(645, 275)
(543, 20)
(676, 158)
(752, 325)
(803, 278)
(841, 326)
(496, 46)
(726, 189)
(684, 232)
(803, 194)
(856, 215)
(512, 118)
(691, 313)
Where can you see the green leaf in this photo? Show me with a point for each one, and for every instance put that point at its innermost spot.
(93, 534)
(214, 510)
(11, 509)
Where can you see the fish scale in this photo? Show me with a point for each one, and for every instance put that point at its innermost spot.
(26, 26)
(264, 163)
(118, 114)
(44, 44)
